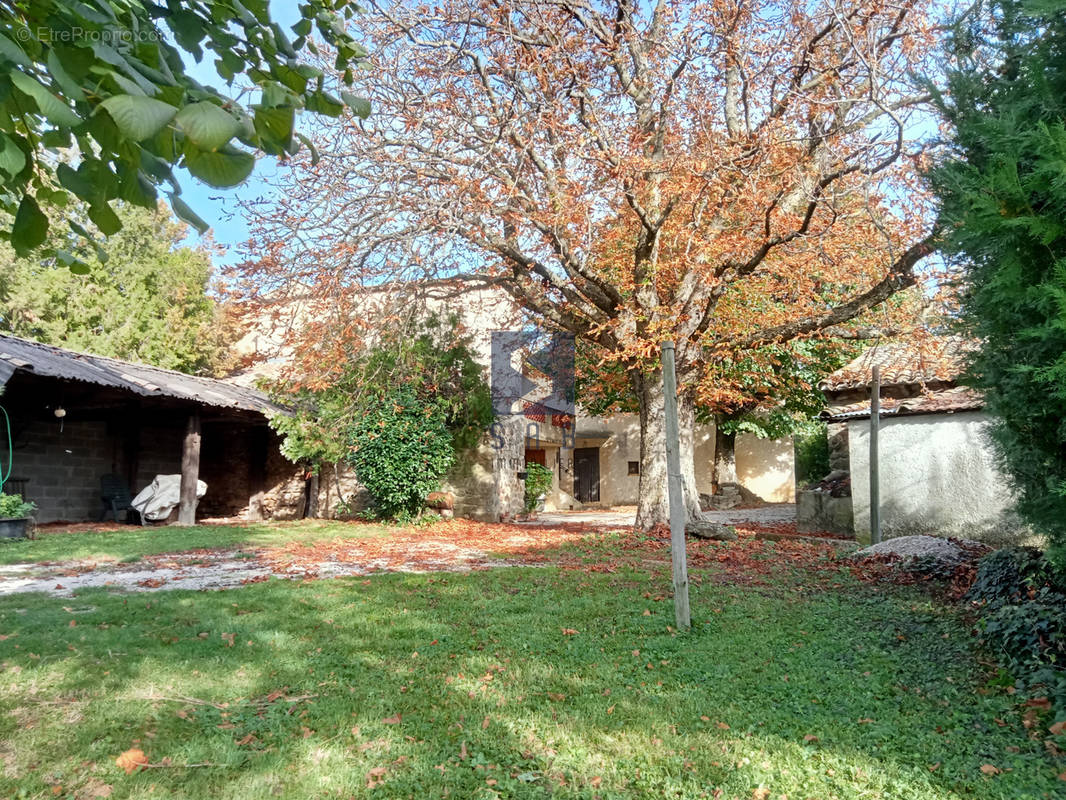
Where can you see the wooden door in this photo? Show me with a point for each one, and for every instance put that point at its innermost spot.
(587, 474)
(536, 456)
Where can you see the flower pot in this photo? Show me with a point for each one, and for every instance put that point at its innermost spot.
(14, 528)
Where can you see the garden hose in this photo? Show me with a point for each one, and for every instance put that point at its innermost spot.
(10, 451)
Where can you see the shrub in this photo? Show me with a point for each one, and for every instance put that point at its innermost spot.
(398, 412)
(401, 449)
(538, 482)
(12, 506)
(811, 453)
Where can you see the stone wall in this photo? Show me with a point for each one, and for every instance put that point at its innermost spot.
(837, 436)
(818, 510)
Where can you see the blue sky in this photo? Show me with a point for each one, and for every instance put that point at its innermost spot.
(219, 206)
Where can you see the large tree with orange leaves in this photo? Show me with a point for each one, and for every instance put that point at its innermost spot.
(725, 174)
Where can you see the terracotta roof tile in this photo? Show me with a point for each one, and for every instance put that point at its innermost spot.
(945, 401)
(903, 363)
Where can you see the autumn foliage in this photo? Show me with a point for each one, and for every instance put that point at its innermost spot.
(724, 175)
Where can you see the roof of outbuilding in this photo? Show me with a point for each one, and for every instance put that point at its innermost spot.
(18, 354)
(944, 401)
(939, 360)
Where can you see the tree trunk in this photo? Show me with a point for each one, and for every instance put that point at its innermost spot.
(725, 456)
(653, 506)
(686, 414)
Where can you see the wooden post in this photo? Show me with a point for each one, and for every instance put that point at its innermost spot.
(675, 489)
(875, 485)
(190, 471)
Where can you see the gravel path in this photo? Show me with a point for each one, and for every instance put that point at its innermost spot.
(418, 552)
(220, 571)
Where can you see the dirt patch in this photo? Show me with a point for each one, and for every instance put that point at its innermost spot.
(458, 545)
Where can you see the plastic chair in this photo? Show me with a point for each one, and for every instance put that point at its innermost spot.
(115, 496)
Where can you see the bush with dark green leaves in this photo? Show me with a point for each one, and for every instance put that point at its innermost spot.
(401, 449)
(1012, 575)
(399, 412)
(811, 444)
(1031, 633)
(1003, 213)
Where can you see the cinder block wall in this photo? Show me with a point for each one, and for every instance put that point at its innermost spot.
(62, 469)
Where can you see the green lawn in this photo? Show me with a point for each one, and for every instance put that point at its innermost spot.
(468, 686)
(133, 542)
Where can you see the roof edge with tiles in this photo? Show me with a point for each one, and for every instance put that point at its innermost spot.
(908, 363)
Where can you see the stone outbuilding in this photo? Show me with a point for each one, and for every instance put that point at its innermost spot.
(594, 460)
(937, 472)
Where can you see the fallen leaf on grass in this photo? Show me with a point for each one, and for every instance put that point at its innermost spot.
(375, 777)
(1058, 728)
(394, 720)
(762, 793)
(228, 638)
(484, 723)
(132, 760)
(810, 737)
(721, 726)
(990, 769)
(934, 767)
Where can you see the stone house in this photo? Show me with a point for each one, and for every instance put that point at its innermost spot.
(937, 473)
(75, 417)
(595, 461)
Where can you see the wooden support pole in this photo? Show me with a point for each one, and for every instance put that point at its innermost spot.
(190, 471)
(875, 480)
(675, 489)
